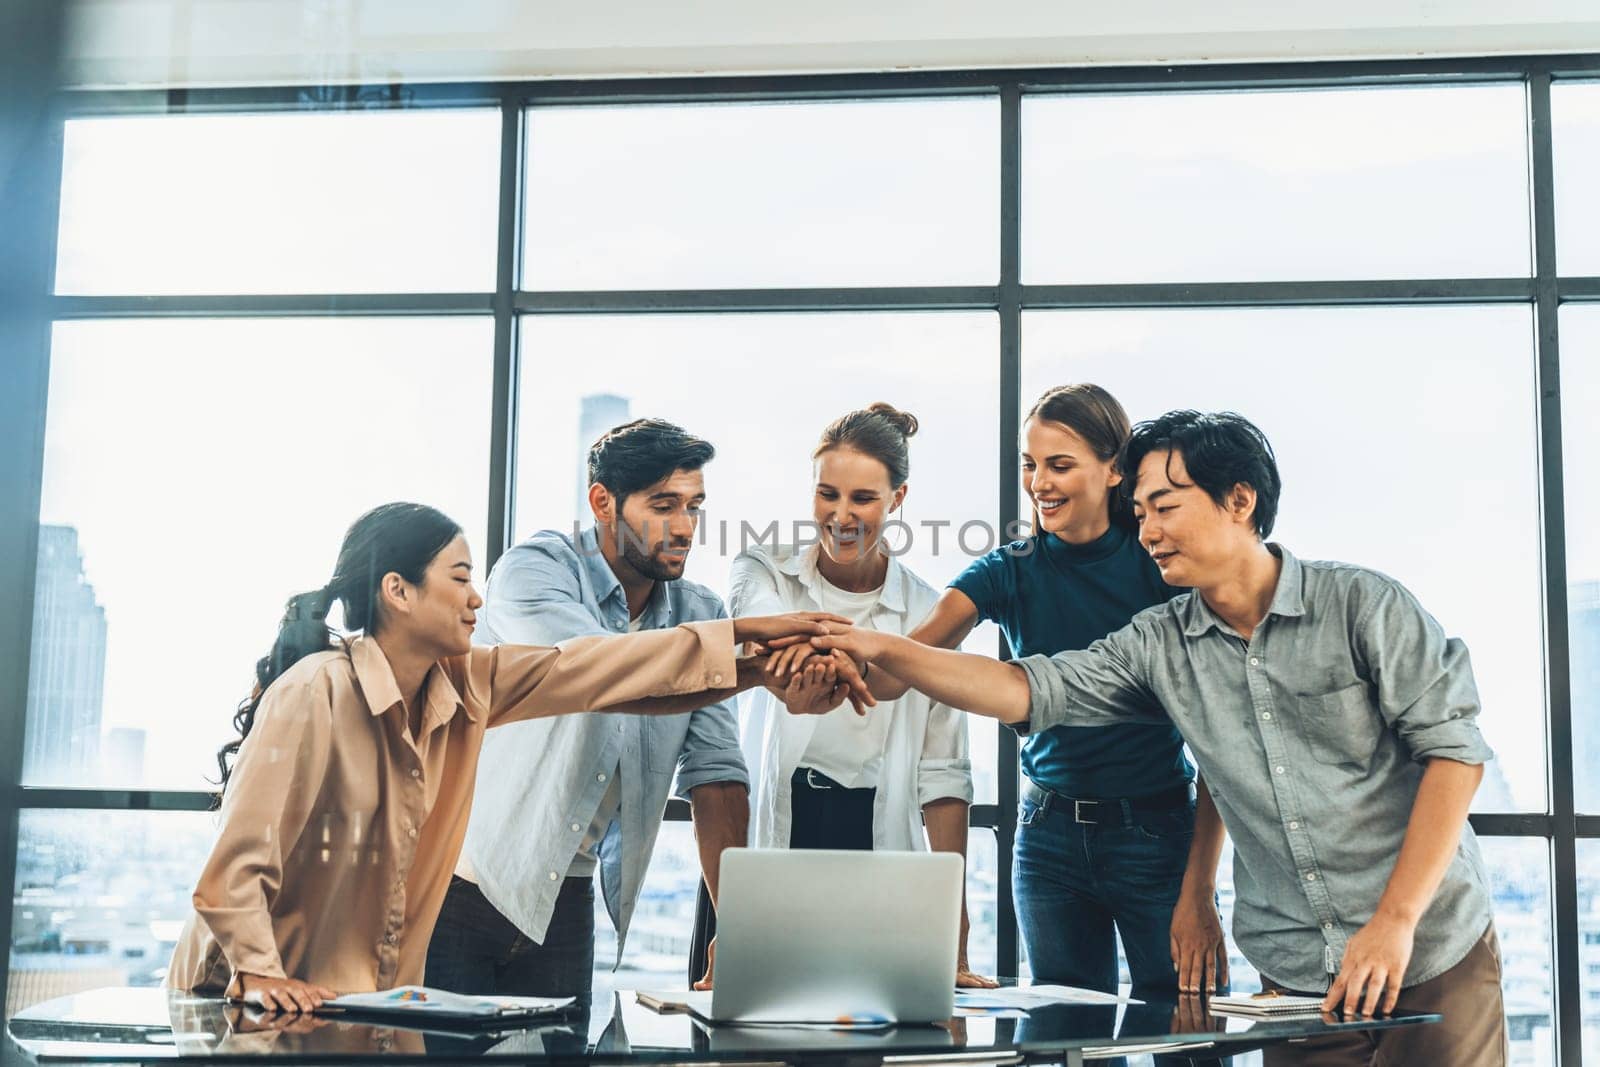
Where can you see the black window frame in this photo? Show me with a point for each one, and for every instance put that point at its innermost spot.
(1544, 290)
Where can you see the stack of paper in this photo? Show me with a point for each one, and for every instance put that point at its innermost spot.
(421, 1002)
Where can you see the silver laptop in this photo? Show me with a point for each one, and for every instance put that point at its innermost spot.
(811, 936)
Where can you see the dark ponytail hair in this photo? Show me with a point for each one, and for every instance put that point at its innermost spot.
(878, 430)
(391, 538)
(1094, 415)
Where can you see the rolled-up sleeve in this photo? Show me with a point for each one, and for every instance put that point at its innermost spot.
(1424, 680)
(1095, 686)
(944, 770)
(711, 750)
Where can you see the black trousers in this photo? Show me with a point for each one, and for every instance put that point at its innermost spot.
(824, 814)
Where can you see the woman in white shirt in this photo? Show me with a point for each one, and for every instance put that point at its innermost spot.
(838, 779)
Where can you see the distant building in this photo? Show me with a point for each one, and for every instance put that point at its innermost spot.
(597, 413)
(1583, 643)
(67, 667)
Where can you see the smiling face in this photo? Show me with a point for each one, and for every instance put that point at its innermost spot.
(438, 614)
(1194, 540)
(850, 502)
(1068, 484)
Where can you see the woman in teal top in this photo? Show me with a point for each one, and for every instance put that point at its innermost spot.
(1107, 823)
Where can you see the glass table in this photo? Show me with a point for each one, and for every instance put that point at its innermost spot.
(155, 1025)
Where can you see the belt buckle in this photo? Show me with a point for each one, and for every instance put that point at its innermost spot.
(812, 781)
(1077, 811)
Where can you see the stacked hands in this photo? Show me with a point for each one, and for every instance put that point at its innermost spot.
(810, 676)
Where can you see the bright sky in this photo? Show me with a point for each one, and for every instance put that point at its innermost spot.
(211, 466)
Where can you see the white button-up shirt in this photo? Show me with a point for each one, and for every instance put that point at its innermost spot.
(925, 756)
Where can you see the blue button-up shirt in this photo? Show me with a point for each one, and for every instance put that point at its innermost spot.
(540, 783)
(1311, 736)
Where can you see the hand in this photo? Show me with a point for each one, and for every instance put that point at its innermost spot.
(814, 690)
(958, 1031)
(282, 994)
(862, 646)
(788, 661)
(781, 631)
(248, 1019)
(711, 964)
(854, 685)
(1199, 950)
(1191, 1017)
(966, 978)
(1374, 965)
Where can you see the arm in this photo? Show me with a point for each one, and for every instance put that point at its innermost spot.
(976, 684)
(947, 625)
(1424, 688)
(1375, 958)
(268, 802)
(721, 813)
(1104, 683)
(712, 775)
(1199, 949)
(946, 822)
(692, 662)
(944, 789)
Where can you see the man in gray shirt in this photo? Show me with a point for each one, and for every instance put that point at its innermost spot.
(1334, 723)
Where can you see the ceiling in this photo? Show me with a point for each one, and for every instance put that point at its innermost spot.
(164, 43)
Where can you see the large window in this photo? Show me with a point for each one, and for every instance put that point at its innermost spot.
(275, 309)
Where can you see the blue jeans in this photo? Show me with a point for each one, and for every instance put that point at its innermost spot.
(475, 949)
(1078, 885)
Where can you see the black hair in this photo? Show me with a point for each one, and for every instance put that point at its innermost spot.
(1220, 450)
(398, 538)
(878, 430)
(638, 454)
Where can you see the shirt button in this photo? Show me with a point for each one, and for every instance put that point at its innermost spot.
(1254, 662)
(411, 832)
(716, 679)
(388, 938)
(576, 827)
(554, 876)
(1277, 770)
(1267, 715)
(1327, 926)
(415, 773)
(1311, 877)
(600, 777)
(1294, 824)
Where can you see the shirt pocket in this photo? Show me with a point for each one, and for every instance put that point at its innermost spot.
(663, 741)
(1342, 727)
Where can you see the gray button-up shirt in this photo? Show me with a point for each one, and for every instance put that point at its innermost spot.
(1312, 737)
(540, 782)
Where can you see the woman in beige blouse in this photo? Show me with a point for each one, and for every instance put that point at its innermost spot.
(345, 805)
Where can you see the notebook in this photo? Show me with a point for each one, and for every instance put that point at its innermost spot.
(1268, 1005)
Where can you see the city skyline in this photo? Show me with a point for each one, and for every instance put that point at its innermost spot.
(66, 664)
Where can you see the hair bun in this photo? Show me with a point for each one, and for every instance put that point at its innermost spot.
(903, 421)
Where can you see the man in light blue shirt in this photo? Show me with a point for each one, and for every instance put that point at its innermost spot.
(560, 798)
